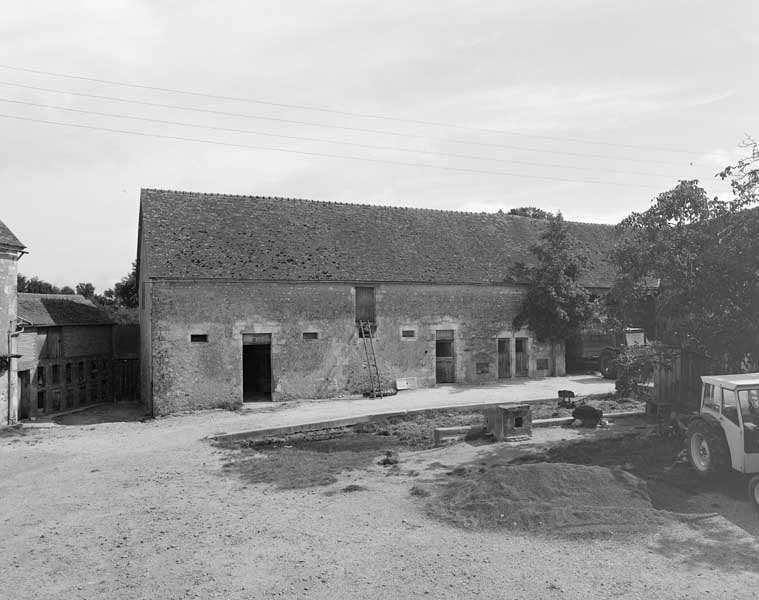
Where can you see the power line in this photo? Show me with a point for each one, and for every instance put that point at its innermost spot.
(324, 154)
(328, 141)
(342, 112)
(330, 126)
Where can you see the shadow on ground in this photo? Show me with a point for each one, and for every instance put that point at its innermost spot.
(116, 412)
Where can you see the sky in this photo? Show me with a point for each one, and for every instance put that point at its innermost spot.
(588, 107)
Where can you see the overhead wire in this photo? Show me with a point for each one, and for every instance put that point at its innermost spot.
(329, 141)
(327, 155)
(332, 126)
(341, 112)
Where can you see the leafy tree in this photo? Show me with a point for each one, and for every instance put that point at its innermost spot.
(85, 289)
(125, 291)
(556, 306)
(702, 253)
(35, 285)
(530, 212)
(120, 302)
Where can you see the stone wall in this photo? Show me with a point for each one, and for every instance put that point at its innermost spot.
(186, 375)
(8, 311)
(62, 368)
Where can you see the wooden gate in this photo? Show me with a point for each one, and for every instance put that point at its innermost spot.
(125, 379)
(677, 377)
(522, 368)
(504, 358)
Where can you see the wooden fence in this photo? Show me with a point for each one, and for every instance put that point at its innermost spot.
(677, 377)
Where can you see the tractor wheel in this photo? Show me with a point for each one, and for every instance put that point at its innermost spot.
(707, 449)
(606, 365)
(753, 491)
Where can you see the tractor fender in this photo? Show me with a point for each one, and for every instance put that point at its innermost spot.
(710, 420)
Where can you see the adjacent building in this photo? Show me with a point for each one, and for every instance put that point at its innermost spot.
(249, 298)
(11, 250)
(65, 347)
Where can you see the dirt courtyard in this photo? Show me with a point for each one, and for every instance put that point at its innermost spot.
(130, 509)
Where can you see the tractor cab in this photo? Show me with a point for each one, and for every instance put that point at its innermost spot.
(725, 432)
(733, 400)
(634, 336)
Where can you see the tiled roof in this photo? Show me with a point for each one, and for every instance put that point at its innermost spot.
(48, 310)
(192, 235)
(7, 238)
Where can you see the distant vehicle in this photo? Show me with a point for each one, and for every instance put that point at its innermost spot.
(725, 432)
(601, 348)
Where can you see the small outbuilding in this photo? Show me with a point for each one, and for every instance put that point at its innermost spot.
(65, 348)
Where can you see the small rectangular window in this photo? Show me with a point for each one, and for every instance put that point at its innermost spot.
(310, 335)
(483, 368)
(56, 375)
(541, 364)
(710, 401)
(730, 405)
(408, 333)
(199, 337)
(40, 376)
(68, 373)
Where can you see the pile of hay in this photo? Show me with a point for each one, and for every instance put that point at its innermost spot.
(550, 497)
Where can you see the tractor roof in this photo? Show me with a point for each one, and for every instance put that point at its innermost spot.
(731, 382)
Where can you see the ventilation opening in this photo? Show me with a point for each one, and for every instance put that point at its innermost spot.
(198, 337)
(310, 335)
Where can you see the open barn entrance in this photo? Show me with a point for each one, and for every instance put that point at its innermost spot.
(256, 367)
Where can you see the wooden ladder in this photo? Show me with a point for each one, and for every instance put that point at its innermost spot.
(365, 328)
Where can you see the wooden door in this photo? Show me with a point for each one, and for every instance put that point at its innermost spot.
(504, 358)
(521, 363)
(445, 369)
(24, 400)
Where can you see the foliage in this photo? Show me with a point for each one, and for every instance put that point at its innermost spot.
(85, 289)
(35, 285)
(702, 252)
(556, 305)
(530, 212)
(125, 293)
(119, 302)
(635, 366)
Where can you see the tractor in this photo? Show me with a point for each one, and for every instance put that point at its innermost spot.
(725, 432)
(601, 348)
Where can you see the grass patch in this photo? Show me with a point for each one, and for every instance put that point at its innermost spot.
(292, 468)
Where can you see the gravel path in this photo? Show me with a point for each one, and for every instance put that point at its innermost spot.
(143, 510)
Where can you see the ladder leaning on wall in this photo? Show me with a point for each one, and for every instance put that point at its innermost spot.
(365, 329)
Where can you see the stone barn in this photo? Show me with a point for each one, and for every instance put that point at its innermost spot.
(250, 298)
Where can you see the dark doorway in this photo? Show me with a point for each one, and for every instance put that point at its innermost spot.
(24, 401)
(445, 371)
(256, 368)
(521, 368)
(504, 358)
